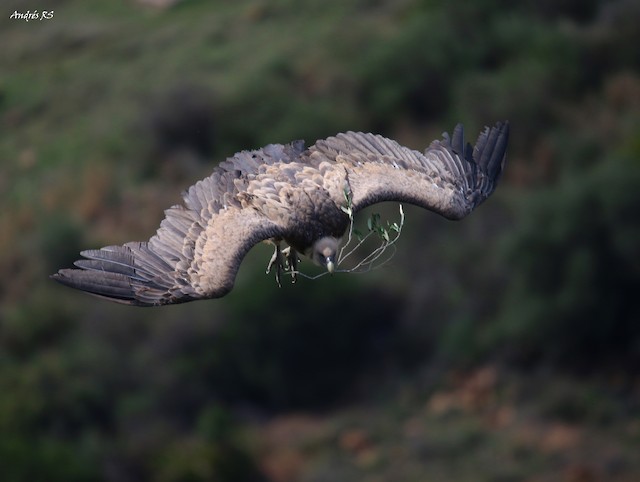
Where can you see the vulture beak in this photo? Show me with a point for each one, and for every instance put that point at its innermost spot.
(330, 266)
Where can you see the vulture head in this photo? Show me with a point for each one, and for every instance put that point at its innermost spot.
(324, 252)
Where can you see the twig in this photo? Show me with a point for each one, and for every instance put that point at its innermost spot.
(368, 262)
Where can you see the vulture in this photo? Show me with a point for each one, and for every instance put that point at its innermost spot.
(304, 197)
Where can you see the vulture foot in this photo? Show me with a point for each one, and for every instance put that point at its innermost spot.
(284, 260)
(278, 260)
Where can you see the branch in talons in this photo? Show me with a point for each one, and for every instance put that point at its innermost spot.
(291, 262)
(388, 234)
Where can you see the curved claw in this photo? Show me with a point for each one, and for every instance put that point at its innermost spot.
(285, 261)
(278, 261)
(291, 258)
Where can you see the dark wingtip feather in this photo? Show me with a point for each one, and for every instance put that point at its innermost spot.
(490, 149)
(457, 139)
(108, 273)
(114, 286)
(484, 161)
(496, 161)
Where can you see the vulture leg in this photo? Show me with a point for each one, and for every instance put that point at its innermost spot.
(278, 260)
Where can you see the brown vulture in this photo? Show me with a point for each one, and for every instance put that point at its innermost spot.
(286, 193)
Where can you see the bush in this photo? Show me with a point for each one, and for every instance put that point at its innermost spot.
(574, 270)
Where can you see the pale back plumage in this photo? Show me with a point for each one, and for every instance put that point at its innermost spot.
(284, 192)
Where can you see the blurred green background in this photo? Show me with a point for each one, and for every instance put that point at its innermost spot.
(505, 347)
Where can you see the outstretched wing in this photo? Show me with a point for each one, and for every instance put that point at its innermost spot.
(198, 249)
(451, 177)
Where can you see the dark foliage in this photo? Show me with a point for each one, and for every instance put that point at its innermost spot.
(574, 269)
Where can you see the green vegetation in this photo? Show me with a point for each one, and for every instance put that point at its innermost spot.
(504, 347)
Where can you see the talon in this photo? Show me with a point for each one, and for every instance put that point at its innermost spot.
(273, 259)
(278, 261)
(285, 261)
(293, 263)
(291, 259)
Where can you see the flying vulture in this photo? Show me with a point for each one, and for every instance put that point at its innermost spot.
(286, 193)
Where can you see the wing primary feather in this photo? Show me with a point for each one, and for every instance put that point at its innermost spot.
(108, 258)
(487, 151)
(496, 161)
(450, 155)
(490, 148)
(112, 285)
(457, 140)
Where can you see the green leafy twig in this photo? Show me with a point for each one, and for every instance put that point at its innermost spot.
(388, 234)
